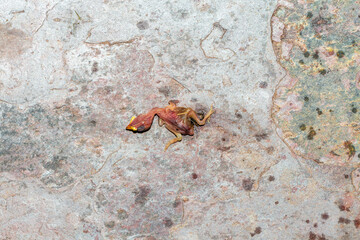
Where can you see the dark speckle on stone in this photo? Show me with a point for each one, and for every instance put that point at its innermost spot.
(302, 127)
(343, 208)
(122, 214)
(316, 55)
(311, 134)
(270, 150)
(95, 67)
(247, 184)
(195, 60)
(57, 180)
(309, 15)
(142, 25)
(340, 54)
(343, 220)
(141, 195)
(312, 236)
(351, 149)
(271, 178)
(55, 163)
(322, 237)
(263, 84)
(194, 176)
(101, 199)
(315, 225)
(167, 222)
(238, 115)
(320, 21)
(357, 223)
(165, 90)
(325, 216)
(176, 202)
(322, 71)
(319, 112)
(306, 98)
(306, 54)
(92, 123)
(257, 231)
(109, 224)
(261, 136)
(354, 110)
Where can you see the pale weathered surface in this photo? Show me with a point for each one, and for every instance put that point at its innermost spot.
(73, 73)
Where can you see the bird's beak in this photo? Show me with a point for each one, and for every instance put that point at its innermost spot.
(129, 127)
(132, 119)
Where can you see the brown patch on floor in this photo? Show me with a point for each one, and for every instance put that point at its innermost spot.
(313, 236)
(257, 231)
(344, 220)
(357, 223)
(248, 184)
(13, 42)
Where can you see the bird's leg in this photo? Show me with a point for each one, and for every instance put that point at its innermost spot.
(174, 140)
(193, 116)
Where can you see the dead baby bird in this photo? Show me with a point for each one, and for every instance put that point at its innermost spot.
(178, 120)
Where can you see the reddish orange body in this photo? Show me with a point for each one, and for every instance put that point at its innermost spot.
(178, 120)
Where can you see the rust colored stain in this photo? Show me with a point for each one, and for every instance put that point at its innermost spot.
(357, 223)
(325, 216)
(344, 220)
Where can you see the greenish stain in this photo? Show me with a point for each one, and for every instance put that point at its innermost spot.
(322, 71)
(324, 59)
(340, 54)
(351, 149)
(311, 134)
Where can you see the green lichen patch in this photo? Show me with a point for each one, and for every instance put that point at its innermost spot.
(317, 46)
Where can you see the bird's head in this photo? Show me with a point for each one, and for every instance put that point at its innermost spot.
(140, 123)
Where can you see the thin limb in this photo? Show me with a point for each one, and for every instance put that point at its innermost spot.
(177, 139)
(161, 122)
(193, 116)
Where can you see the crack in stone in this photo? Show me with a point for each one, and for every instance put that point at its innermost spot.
(46, 16)
(210, 47)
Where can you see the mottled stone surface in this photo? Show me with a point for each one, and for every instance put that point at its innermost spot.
(316, 104)
(73, 73)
